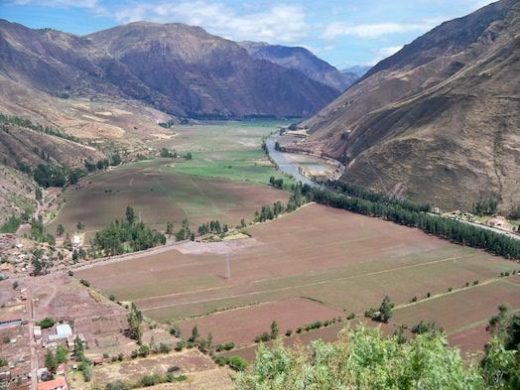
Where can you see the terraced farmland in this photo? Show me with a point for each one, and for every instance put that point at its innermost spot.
(336, 261)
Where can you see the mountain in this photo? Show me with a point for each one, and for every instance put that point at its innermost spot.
(438, 119)
(357, 70)
(178, 69)
(301, 59)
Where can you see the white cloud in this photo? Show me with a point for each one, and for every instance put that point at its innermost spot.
(383, 53)
(59, 3)
(376, 30)
(281, 23)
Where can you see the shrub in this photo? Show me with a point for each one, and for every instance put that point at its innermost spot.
(84, 282)
(237, 363)
(47, 322)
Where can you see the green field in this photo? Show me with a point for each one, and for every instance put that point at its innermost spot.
(230, 150)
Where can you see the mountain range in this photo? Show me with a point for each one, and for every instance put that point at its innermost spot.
(439, 121)
(175, 68)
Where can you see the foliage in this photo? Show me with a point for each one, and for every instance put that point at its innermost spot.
(485, 207)
(47, 175)
(135, 320)
(501, 363)
(50, 361)
(23, 122)
(276, 183)
(11, 225)
(47, 322)
(446, 228)
(424, 327)
(126, 236)
(362, 359)
(184, 232)
(165, 153)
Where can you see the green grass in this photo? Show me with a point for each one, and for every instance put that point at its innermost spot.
(228, 150)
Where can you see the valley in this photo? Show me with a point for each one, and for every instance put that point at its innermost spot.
(183, 208)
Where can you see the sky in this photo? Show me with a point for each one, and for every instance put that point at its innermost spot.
(342, 32)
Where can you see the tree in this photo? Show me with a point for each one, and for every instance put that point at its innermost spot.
(169, 228)
(130, 215)
(60, 230)
(50, 361)
(274, 330)
(80, 226)
(135, 320)
(115, 160)
(362, 359)
(194, 334)
(385, 310)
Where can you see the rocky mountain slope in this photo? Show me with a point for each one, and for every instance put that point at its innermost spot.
(175, 68)
(303, 60)
(438, 119)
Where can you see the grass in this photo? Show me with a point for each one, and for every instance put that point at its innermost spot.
(230, 150)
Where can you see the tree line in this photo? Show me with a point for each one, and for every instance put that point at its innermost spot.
(404, 213)
(24, 122)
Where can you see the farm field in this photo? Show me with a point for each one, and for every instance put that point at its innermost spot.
(226, 179)
(326, 261)
(198, 368)
(230, 150)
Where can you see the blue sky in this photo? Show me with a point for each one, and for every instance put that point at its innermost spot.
(343, 32)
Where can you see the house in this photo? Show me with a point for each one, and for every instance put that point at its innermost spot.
(56, 384)
(63, 332)
(37, 332)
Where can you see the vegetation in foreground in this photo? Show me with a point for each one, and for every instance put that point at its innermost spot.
(364, 359)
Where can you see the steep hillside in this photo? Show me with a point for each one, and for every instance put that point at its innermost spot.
(438, 119)
(17, 193)
(303, 60)
(175, 68)
(22, 145)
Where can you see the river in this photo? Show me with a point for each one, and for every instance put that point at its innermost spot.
(285, 165)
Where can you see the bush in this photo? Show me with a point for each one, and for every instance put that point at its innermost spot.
(179, 346)
(84, 282)
(237, 363)
(175, 331)
(46, 323)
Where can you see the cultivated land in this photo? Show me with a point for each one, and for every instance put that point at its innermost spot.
(316, 260)
(226, 180)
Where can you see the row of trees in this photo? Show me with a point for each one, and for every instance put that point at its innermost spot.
(213, 227)
(446, 228)
(362, 193)
(126, 236)
(23, 122)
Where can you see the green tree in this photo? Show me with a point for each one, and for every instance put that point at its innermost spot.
(130, 215)
(135, 320)
(385, 310)
(60, 230)
(274, 330)
(362, 359)
(50, 361)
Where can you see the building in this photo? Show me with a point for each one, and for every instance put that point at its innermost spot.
(63, 332)
(56, 384)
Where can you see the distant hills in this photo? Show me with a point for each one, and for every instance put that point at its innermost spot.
(439, 121)
(301, 59)
(175, 68)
